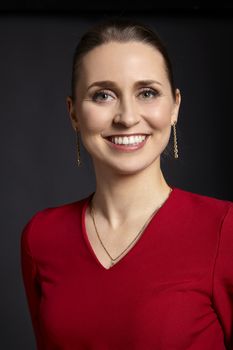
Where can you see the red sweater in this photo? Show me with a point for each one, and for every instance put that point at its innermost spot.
(173, 290)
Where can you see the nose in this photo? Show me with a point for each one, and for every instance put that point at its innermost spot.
(126, 113)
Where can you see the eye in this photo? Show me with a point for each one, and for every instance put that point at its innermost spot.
(101, 96)
(148, 94)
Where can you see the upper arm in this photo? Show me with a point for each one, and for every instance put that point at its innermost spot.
(31, 281)
(223, 278)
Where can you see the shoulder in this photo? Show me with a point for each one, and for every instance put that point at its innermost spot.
(45, 224)
(55, 212)
(203, 201)
(203, 206)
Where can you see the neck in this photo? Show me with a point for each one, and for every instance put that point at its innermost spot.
(119, 198)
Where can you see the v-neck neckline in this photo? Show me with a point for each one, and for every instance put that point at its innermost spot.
(140, 239)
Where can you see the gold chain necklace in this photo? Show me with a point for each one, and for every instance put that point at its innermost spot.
(141, 230)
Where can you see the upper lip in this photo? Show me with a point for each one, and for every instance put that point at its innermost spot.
(128, 135)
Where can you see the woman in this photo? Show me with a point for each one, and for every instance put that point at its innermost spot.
(138, 264)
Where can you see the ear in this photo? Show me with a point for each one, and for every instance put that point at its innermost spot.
(176, 108)
(72, 113)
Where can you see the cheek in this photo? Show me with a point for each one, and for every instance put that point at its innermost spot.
(92, 119)
(159, 115)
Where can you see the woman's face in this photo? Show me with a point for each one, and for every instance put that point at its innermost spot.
(122, 90)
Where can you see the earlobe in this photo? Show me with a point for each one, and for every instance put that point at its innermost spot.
(178, 97)
(176, 105)
(69, 104)
(72, 113)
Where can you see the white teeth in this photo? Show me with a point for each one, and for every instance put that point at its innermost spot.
(126, 140)
(131, 140)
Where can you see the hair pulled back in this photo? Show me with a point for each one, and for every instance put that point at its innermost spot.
(119, 30)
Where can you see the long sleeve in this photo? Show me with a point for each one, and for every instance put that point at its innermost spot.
(223, 278)
(31, 285)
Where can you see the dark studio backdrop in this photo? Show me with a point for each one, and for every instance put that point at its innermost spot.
(38, 144)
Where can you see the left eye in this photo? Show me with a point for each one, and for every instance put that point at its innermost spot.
(102, 96)
(148, 93)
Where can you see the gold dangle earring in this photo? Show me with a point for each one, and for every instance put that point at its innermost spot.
(78, 149)
(175, 140)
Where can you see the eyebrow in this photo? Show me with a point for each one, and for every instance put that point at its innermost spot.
(111, 84)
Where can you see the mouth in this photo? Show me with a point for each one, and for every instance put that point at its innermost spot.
(127, 142)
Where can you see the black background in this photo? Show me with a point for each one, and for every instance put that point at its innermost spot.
(38, 145)
(118, 7)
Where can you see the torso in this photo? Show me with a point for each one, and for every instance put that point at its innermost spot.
(115, 244)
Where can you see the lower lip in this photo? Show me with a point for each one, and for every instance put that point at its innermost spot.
(127, 148)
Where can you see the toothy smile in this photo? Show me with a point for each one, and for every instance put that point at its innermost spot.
(127, 140)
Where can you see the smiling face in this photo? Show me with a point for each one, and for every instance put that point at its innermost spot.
(123, 89)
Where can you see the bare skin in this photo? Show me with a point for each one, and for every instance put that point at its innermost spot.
(129, 185)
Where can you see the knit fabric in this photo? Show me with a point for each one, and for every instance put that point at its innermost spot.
(173, 290)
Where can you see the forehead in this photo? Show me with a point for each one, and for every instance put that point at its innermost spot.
(123, 61)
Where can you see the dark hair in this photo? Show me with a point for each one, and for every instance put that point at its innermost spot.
(119, 30)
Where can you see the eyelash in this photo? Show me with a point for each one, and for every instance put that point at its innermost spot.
(98, 93)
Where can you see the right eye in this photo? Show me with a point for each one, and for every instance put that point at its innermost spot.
(101, 96)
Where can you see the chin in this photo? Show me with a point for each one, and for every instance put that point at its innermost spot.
(131, 169)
